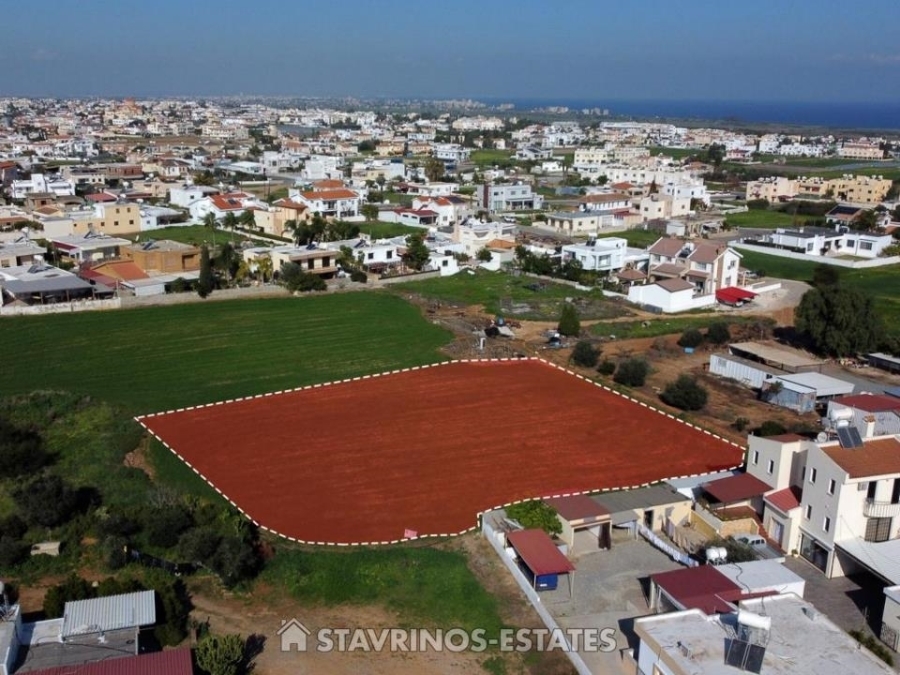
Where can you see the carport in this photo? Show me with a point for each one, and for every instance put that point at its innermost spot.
(541, 558)
(581, 514)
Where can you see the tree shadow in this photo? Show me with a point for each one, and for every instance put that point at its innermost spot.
(253, 647)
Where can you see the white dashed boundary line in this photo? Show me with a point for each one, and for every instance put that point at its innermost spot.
(140, 419)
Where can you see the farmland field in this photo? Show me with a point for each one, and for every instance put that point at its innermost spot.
(426, 450)
(879, 282)
(765, 219)
(162, 357)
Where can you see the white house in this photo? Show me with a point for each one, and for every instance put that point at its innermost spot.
(508, 197)
(663, 207)
(708, 266)
(185, 195)
(610, 201)
(450, 209)
(221, 205)
(40, 183)
(598, 255)
(475, 235)
(451, 152)
(336, 203)
(670, 296)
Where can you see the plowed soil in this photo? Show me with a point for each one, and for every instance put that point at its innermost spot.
(427, 450)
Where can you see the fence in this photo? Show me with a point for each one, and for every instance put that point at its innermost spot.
(824, 260)
(530, 593)
(61, 307)
(415, 276)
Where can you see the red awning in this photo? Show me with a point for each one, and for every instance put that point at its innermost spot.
(732, 295)
(736, 488)
(539, 553)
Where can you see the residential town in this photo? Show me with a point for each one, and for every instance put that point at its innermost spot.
(647, 374)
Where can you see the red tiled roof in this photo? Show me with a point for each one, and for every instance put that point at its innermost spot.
(698, 588)
(785, 500)
(288, 204)
(870, 402)
(539, 553)
(577, 507)
(667, 246)
(606, 198)
(736, 488)
(100, 197)
(874, 458)
(170, 662)
(328, 184)
(675, 285)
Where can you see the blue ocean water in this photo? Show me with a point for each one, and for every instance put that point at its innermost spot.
(840, 114)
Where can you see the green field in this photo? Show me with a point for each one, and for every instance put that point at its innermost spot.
(491, 157)
(419, 584)
(626, 330)
(764, 218)
(380, 230)
(157, 358)
(508, 295)
(880, 282)
(189, 234)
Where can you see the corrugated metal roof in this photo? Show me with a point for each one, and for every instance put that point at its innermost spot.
(128, 610)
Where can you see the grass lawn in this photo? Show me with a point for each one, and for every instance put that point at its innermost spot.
(626, 330)
(501, 293)
(380, 230)
(675, 153)
(879, 282)
(764, 218)
(398, 198)
(490, 157)
(157, 358)
(419, 584)
(189, 234)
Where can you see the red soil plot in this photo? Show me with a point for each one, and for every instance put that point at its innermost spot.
(427, 450)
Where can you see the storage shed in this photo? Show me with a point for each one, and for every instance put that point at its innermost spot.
(540, 558)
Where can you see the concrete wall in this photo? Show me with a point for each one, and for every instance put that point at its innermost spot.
(853, 264)
(493, 537)
(61, 307)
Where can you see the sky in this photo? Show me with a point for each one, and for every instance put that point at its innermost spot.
(559, 49)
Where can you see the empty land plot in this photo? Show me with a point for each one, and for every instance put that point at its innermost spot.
(426, 450)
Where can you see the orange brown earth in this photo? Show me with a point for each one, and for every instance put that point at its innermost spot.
(427, 450)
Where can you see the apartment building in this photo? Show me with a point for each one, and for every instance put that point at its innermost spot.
(860, 150)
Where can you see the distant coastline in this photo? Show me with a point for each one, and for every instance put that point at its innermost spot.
(834, 115)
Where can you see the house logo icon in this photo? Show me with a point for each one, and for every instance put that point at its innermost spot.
(293, 635)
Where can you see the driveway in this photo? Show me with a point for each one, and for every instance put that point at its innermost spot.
(609, 592)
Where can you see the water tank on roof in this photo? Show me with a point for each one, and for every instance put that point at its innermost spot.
(754, 620)
(838, 414)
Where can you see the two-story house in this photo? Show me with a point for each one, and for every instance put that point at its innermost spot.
(598, 255)
(708, 266)
(333, 203)
(512, 197)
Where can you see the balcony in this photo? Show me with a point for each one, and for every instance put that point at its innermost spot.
(876, 509)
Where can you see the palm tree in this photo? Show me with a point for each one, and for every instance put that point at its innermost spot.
(248, 219)
(229, 223)
(209, 222)
(264, 267)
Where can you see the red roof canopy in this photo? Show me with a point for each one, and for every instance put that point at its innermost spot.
(736, 488)
(171, 662)
(539, 553)
(732, 295)
(785, 500)
(700, 588)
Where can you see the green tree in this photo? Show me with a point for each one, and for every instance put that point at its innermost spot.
(690, 338)
(221, 654)
(205, 282)
(229, 222)
(46, 501)
(434, 169)
(369, 211)
(865, 221)
(718, 333)
(228, 260)
(715, 154)
(21, 450)
(770, 428)
(585, 354)
(825, 276)
(607, 367)
(417, 253)
(235, 560)
(264, 268)
(535, 515)
(838, 321)
(685, 393)
(632, 372)
(483, 254)
(569, 323)
(203, 178)
(757, 204)
(73, 588)
(12, 551)
(295, 279)
(248, 219)
(210, 223)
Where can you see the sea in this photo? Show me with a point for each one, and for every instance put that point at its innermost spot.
(850, 115)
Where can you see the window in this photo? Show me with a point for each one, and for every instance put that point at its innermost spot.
(831, 486)
(808, 511)
(812, 475)
(871, 489)
(878, 529)
(827, 524)
(371, 256)
(862, 487)
(865, 245)
(116, 223)
(389, 255)
(770, 466)
(131, 222)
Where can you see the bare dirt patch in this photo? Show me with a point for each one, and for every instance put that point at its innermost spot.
(137, 458)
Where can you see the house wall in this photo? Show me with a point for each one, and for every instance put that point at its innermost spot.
(890, 619)
(844, 508)
(656, 296)
(785, 459)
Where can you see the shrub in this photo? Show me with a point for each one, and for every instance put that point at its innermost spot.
(685, 393)
(21, 450)
(359, 276)
(221, 655)
(740, 423)
(235, 560)
(113, 552)
(873, 645)
(770, 428)
(73, 588)
(295, 279)
(535, 514)
(12, 551)
(718, 333)
(47, 501)
(569, 324)
(632, 372)
(757, 204)
(607, 367)
(690, 338)
(585, 354)
(164, 525)
(199, 544)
